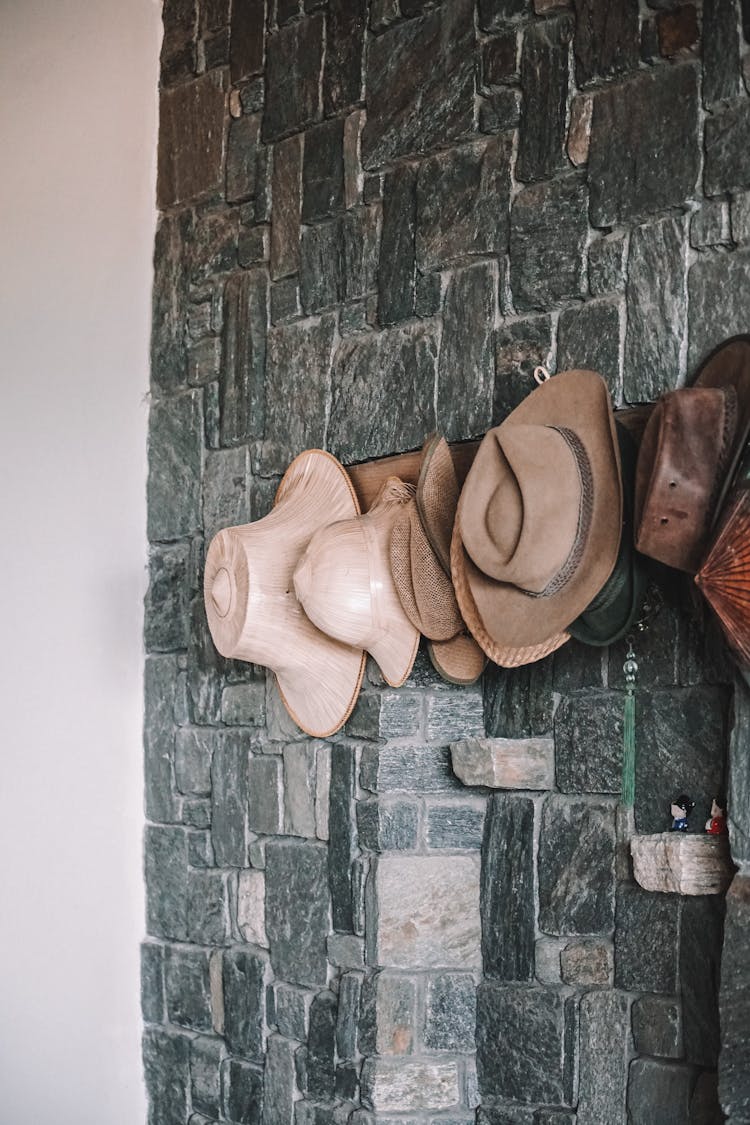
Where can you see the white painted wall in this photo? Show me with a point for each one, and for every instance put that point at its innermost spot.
(78, 110)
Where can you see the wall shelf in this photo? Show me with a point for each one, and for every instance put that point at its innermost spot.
(682, 863)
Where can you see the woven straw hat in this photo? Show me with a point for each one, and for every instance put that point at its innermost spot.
(539, 519)
(252, 610)
(344, 582)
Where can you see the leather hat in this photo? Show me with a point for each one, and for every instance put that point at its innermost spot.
(538, 524)
(252, 609)
(688, 457)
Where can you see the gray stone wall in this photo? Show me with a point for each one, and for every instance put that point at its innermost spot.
(376, 218)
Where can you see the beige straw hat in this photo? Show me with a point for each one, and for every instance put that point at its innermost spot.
(253, 612)
(539, 520)
(344, 582)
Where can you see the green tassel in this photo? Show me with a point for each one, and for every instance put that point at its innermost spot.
(630, 668)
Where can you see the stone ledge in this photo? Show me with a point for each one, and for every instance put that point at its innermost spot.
(505, 763)
(682, 864)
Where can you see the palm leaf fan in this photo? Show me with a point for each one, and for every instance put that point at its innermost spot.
(724, 577)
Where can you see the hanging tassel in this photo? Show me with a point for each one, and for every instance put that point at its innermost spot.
(630, 668)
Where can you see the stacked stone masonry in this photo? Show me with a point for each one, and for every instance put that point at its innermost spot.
(376, 217)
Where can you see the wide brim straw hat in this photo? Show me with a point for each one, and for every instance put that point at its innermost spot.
(345, 585)
(538, 525)
(252, 609)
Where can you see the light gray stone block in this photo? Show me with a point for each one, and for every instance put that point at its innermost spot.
(251, 907)
(397, 1085)
(505, 763)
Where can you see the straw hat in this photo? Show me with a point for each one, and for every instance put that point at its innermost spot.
(252, 610)
(344, 582)
(419, 541)
(538, 525)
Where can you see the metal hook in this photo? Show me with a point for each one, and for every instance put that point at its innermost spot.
(541, 374)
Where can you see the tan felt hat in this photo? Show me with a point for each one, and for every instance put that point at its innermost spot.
(459, 660)
(344, 582)
(253, 612)
(539, 518)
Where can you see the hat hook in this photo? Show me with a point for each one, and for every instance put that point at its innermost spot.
(541, 374)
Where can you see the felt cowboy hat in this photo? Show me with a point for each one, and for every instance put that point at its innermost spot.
(420, 565)
(344, 583)
(252, 609)
(538, 524)
(688, 457)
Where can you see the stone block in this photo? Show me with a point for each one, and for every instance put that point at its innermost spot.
(244, 977)
(700, 942)
(196, 812)
(208, 908)
(342, 834)
(398, 1085)
(251, 907)
(734, 1068)
(579, 130)
(427, 912)
(360, 247)
(188, 990)
(525, 1043)
(242, 152)
(587, 963)
(548, 233)
(518, 702)
(386, 715)
(576, 867)
(279, 1087)
(294, 65)
(243, 705)
(607, 39)
(166, 610)
(630, 122)
(345, 951)
(152, 982)
(505, 763)
(414, 769)
(677, 31)
(322, 790)
(345, 41)
(420, 84)
(160, 686)
(657, 1026)
(254, 246)
(191, 140)
(175, 464)
(500, 111)
(739, 217)
(347, 1020)
(646, 927)
(320, 266)
(321, 1047)
(711, 323)
(247, 39)
(499, 59)
(323, 171)
(297, 905)
(265, 800)
(242, 1092)
(292, 1010)
(387, 825)
(727, 165)
(286, 192)
(397, 270)
(226, 490)
(494, 15)
(507, 889)
(708, 226)
(166, 882)
(590, 336)
(457, 825)
(466, 370)
(739, 774)
(656, 309)
(297, 369)
(169, 296)
(387, 1014)
(607, 264)
(676, 862)
(285, 300)
(177, 59)
(521, 345)
(588, 743)
(200, 850)
(605, 1051)
(205, 1070)
(658, 1091)
(212, 250)
(241, 397)
(387, 375)
(450, 1013)
(299, 789)
(229, 793)
(547, 954)
(253, 96)
(544, 82)
(475, 181)
(455, 713)
(166, 1071)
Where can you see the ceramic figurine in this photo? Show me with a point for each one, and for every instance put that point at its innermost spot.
(716, 825)
(681, 809)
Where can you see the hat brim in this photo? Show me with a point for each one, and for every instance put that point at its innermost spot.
(424, 589)
(459, 660)
(437, 496)
(514, 620)
(728, 365)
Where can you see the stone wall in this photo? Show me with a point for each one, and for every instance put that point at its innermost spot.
(376, 218)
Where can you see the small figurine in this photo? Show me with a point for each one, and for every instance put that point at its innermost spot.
(681, 809)
(716, 825)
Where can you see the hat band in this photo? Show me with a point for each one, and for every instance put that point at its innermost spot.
(585, 510)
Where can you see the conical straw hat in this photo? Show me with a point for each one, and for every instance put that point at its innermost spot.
(345, 584)
(253, 612)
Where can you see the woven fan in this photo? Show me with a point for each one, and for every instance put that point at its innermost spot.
(724, 577)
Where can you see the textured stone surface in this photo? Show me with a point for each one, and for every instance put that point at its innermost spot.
(397, 269)
(586, 962)
(279, 1082)
(416, 769)
(606, 40)
(160, 687)
(544, 82)
(389, 1084)
(548, 233)
(507, 889)
(576, 847)
(175, 462)
(589, 336)
(495, 14)
(294, 61)
(522, 345)
(321, 1047)
(165, 1064)
(727, 164)
(625, 180)
(297, 367)
(701, 937)
(607, 264)
(343, 835)
(466, 371)
(424, 64)
(292, 1010)
(450, 1012)
(244, 984)
(246, 52)
(345, 40)
(646, 928)
(286, 191)
(427, 912)
(656, 308)
(205, 1063)
(657, 1026)
(166, 882)
(658, 1092)
(387, 826)
(500, 59)
(241, 397)
(734, 1068)
(242, 146)
(323, 171)
(167, 598)
(299, 789)
(605, 1049)
(242, 1092)
(297, 907)
(188, 990)
(251, 907)
(739, 774)
(710, 323)
(454, 713)
(521, 1032)
(264, 787)
(455, 825)
(152, 982)
(208, 908)
(505, 763)
(229, 801)
(226, 490)
(387, 1014)
(191, 128)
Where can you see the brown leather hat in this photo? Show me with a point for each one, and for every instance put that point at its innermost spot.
(688, 457)
(539, 519)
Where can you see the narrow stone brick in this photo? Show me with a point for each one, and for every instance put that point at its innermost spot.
(420, 84)
(166, 1071)
(645, 941)
(521, 345)
(360, 248)
(507, 889)
(450, 1013)
(212, 249)
(387, 1014)
(177, 59)
(299, 789)
(160, 685)
(656, 309)
(579, 130)
(286, 188)
(721, 51)
(242, 1092)
(251, 907)
(166, 882)
(152, 982)
(294, 64)
(285, 300)
(415, 769)
(700, 943)
(204, 360)
(657, 1026)
(740, 217)
(605, 1050)
(196, 812)
(466, 370)
(205, 1069)
(734, 1072)
(658, 1092)
(606, 41)
(279, 1088)
(167, 600)
(297, 904)
(345, 42)
(607, 265)
(208, 908)
(321, 1047)
(175, 464)
(191, 140)
(229, 790)
(544, 82)
(345, 951)
(206, 668)
(323, 171)
(169, 297)
(518, 702)
(397, 272)
(547, 242)
(253, 247)
(710, 322)
(226, 490)
(244, 977)
(576, 867)
(253, 96)
(292, 1010)
(265, 796)
(342, 833)
(247, 38)
(244, 357)
(188, 990)
(499, 59)
(456, 825)
(590, 336)
(242, 151)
